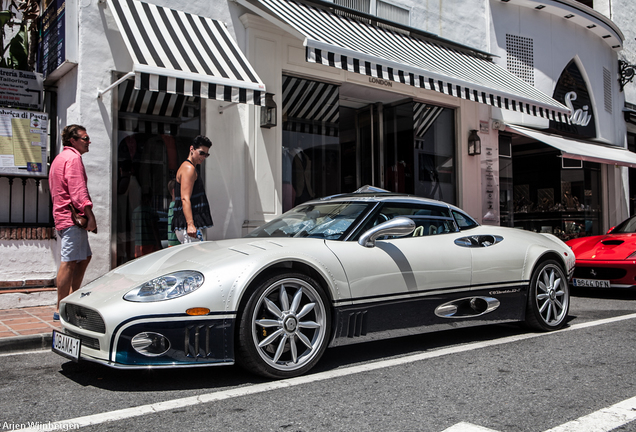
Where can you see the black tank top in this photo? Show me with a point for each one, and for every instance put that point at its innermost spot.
(200, 207)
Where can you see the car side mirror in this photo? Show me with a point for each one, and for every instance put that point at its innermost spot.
(610, 230)
(399, 226)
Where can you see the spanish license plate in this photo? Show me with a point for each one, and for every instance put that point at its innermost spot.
(591, 283)
(66, 345)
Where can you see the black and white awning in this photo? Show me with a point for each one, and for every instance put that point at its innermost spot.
(180, 53)
(152, 112)
(310, 106)
(356, 46)
(424, 115)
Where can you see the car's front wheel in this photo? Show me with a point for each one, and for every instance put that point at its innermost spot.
(284, 327)
(548, 297)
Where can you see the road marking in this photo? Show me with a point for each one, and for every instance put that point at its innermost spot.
(467, 427)
(603, 420)
(127, 413)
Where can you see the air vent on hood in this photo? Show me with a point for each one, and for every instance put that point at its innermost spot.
(613, 242)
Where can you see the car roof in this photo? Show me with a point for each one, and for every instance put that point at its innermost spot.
(374, 194)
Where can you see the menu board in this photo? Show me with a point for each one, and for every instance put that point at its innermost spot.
(23, 139)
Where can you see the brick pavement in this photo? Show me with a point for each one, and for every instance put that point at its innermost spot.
(26, 328)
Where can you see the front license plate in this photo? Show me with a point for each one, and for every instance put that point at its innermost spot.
(66, 345)
(591, 283)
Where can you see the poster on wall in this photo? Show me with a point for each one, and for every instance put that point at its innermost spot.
(23, 138)
(490, 186)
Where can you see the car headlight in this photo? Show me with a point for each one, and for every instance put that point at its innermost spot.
(166, 287)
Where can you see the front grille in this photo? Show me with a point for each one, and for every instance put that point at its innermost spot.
(86, 340)
(84, 318)
(605, 273)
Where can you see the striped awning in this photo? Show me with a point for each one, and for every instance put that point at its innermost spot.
(151, 112)
(424, 115)
(357, 46)
(180, 53)
(310, 106)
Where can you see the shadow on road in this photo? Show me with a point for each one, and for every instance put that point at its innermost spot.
(613, 294)
(222, 377)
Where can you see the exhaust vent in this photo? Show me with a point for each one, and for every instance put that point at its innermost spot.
(467, 307)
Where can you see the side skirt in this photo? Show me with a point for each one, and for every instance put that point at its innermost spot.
(385, 319)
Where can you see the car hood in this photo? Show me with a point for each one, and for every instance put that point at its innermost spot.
(202, 256)
(609, 247)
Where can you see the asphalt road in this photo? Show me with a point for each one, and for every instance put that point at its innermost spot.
(503, 378)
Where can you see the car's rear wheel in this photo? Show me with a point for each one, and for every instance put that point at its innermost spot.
(548, 297)
(284, 327)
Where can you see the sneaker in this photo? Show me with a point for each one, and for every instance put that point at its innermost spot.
(56, 316)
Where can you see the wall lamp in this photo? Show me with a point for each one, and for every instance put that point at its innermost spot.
(268, 112)
(474, 143)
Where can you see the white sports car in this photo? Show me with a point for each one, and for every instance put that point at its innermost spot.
(333, 271)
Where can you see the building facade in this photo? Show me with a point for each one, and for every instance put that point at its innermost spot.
(511, 110)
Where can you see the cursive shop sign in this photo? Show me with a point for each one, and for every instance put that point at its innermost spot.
(571, 90)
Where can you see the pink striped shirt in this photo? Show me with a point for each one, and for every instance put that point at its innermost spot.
(67, 182)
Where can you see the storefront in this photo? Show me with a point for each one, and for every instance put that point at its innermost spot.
(362, 105)
(352, 99)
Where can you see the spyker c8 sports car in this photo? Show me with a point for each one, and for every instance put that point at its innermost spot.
(333, 271)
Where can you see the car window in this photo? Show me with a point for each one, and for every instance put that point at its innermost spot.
(429, 219)
(628, 226)
(330, 221)
(464, 222)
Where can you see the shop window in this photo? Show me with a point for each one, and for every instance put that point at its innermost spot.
(334, 142)
(311, 152)
(554, 196)
(631, 146)
(154, 134)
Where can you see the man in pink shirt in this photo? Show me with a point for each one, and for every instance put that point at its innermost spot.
(67, 182)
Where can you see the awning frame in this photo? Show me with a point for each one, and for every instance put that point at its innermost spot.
(571, 148)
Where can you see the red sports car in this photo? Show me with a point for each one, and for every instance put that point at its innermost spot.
(606, 261)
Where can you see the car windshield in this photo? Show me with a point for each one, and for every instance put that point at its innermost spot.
(628, 226)
(330, 221)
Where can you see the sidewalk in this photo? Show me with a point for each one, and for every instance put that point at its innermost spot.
(26, 328)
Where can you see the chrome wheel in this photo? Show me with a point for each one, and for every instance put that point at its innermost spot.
(288, 325)
(549, 300)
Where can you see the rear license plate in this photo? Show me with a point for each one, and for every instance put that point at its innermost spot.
(66, 345)
(591, 283)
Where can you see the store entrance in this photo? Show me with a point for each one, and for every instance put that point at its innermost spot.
(340, 137)
(377, 140)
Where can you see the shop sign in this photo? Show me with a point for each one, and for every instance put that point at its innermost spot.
(571, 90)
(21, 89)
(490, 186)
(380, 81)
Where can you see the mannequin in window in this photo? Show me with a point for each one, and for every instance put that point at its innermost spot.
(301, 175)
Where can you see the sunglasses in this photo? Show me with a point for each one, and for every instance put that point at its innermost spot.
(84, 138)
(202, 153)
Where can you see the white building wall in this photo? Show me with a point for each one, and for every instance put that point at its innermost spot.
(102, 53)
